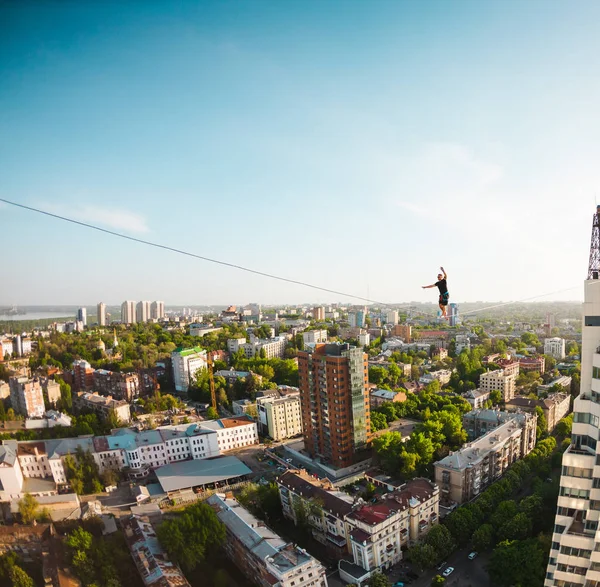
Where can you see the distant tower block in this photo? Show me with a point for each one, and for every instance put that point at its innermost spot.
(594, 267)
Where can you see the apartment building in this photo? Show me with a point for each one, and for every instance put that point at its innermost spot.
(233, 432)
(51, 390)
(273, 347)
(319, 314)
(335, 402)
(564, 381)
(575, 550)
(27, 397)
(128, 312)
(479, 422)
(139, 452)
(185, 363)
(477, 397)
(121, 386)
(234, 344)
(264, 557)
(527, 364)
(509, 366)
(83, 376)
(11, 477)
(391, 317)
(157, 310)
(441, 375)
(404, 331)
(453, 314)
(142, 312)
(325, 507)
(152, 562)
(379, 530)
(200, 329)
(280, 416)
(101, 314)
(102, 405)
(464, 474)
(555, 407)
(82, 316)
(555, 347)
(314, 336)
(381, 396)
(499, 381)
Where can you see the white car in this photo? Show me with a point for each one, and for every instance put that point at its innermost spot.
(472, 555)
(448, 571)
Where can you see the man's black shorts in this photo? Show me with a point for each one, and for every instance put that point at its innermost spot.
(444, 299)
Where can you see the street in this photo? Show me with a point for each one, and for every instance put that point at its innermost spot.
(467, 573)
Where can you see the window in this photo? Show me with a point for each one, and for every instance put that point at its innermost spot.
(586, 418)
(577, 472)
(572, 551)
(572, 492)
(571, 569)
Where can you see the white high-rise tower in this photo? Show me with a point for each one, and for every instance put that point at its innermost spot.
(142, 312)
(128, 312)
(575, 554)
(101, 314)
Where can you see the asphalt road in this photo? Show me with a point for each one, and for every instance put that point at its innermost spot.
(466, 573)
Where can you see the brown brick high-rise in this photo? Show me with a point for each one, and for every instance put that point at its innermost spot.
(335, 402)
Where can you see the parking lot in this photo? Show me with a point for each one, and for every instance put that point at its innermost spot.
(467, 573)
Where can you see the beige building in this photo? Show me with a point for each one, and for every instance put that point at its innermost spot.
(404, 331)
(499, 381)
(477, 397)
(481, 421)
(101, 314)
(319, 314)
(314, 336)
(325, 508)
(379, 530)
(27, 397)
(464, 474)
(370, 536)
(128, 312)
(380, 396)
(4, 390)
(262, 555)
(280, 417)
(103, 405)
(555, 407)
(142, 312)
(51, 390)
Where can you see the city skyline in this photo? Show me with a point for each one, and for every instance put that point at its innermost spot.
(396, 137)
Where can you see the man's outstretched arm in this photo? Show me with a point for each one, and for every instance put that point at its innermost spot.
(428, 286)
(444, 272)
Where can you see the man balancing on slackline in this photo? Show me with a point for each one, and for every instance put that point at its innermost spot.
(444, 295)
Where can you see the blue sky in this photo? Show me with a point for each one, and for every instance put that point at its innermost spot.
(355, 145)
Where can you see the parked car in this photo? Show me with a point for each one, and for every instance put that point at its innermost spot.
(472, 555)
(448, 571)
(398, 584)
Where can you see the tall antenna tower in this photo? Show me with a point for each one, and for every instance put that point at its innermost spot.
(594, 266)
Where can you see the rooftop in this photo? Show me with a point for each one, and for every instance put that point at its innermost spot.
(475, 451)
(151, 560)
(335, 502)
(282, 558)
(186, 474)
(412, 494)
